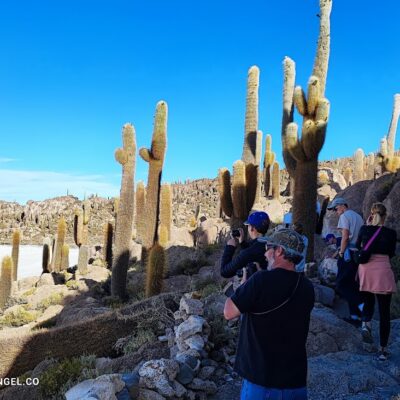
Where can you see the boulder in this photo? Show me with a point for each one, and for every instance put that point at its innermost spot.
(324, 295)
(181, 237)
(178, 283)
(191, 306)
(327, 271)
(102, 388)
(194, 324)
(392, 202)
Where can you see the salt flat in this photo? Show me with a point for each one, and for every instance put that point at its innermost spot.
(30, 259)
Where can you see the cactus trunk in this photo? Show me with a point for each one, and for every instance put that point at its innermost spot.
(5, 280)
(156, 265)
(16, 238)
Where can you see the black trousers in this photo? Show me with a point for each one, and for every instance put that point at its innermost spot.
(384, 313)
(347, 286)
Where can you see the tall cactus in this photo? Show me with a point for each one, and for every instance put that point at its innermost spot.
(348, 176)
(275, 181)
(46, 255)
(64, 257)
(359, 174)
(370, 166)
(156, 266)
(107, 246)
(16, 238)
(269, 159)
(140, 211)
(302, 152)
(166, 210)
(5, 280)
(246, 178)
(81, 223)
(155, 157)
(126, 156)
(61, 231)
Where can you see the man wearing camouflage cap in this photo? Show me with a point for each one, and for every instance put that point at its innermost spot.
(275, 305)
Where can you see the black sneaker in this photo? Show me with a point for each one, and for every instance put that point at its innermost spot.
(355, 322)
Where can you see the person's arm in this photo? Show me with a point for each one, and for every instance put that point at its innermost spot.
(230, 309)
(229, 267)
(344, 242)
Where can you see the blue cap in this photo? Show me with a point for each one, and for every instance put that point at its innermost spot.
(329, 236)
(258, 219)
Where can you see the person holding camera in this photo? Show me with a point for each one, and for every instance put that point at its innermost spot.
(250, 252)
(275, 308)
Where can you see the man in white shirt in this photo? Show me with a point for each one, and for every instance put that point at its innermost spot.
(349, 224)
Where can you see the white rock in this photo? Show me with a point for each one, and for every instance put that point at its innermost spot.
(191, 306)
(195, 342)
(194, 324)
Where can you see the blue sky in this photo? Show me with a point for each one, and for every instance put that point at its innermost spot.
(73, 72)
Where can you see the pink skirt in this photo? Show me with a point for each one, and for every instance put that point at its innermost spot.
(376, 276)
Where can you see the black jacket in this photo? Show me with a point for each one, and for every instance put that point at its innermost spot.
(250, 252)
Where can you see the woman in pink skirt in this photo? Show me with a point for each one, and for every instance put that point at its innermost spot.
(376, 276)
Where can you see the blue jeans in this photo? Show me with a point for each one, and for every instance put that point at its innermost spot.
(251, 391)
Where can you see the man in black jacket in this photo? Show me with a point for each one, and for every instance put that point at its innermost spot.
(250, 252)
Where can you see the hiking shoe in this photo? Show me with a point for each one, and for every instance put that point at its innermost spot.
(355, 322)
(383, 355)
(366, 334)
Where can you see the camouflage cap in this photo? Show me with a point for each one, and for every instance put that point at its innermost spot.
(288, 239)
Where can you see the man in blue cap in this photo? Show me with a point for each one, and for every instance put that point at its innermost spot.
(250, 252)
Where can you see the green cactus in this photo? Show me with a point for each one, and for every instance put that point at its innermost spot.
(64, 257)
(140, 211)
(61, 231)
(155, 157)
(156, 266)
(46, 255)
(301, 152)
(166, 211)
(16, 238)
(275, 181)
(126, 156)
(269, 159)
(107, 246)
(358, 158)
(5, 280)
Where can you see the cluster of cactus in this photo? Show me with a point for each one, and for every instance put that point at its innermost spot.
(155, 205)
(240, 192)
(126, 156)
(301, 152)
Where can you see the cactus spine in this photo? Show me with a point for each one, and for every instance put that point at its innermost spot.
(126, 156)
(301, 152)
(358, 165)
(5, 280)
(16, 238)
(61, 231)
(275, 181)
(107, 246)
(269, 159)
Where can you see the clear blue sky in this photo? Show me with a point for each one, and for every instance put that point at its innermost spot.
(73, 72)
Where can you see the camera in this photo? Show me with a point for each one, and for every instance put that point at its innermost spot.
(250, 269)
(236, 233)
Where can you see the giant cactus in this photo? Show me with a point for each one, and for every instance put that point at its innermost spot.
(140, 211)
(301, 152)
(156, 266)
(16, 238)
(107, 246)
(61, 231)
(359, 174)
(126, 156)
(155, 157)
(166, 211)
(275, 181)
(246, 179)
(81, 223)
(5, 280)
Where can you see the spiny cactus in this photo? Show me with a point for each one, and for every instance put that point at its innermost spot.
(83, 259)
(61, 231)
(16, 238)
(155, 157)
(78, 226)
(323, 178)
(107, 246)
(64, 257)
(46, 255)
(166, 210)
(140, 211)
(275, 181)
(5, 280)
(370, 166)
(126, 156)
(301, 152)
(269, 159)
(348, 176)
(359, 166)
(81, 223)
(156, 266)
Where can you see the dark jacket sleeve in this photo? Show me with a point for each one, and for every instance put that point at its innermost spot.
(253, 253)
